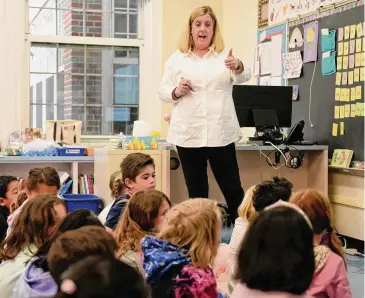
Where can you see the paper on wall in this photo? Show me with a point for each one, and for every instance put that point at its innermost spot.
(310, 42)
(292, 65)
(256, 61)
(265, 58)
(275, 81)
(276, 55)
(264, 81)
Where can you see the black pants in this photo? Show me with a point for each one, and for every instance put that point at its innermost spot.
(223, 162)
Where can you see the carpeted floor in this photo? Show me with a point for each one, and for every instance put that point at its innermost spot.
(355, 270)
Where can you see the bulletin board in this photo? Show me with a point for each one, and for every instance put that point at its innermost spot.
(268, 34)
(322, 107)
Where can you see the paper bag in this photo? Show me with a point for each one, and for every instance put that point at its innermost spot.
(65, 131)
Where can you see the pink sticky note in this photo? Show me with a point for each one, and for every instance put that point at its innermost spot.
(340, 34)
(344, 78)
(351, 61)
(352, 46)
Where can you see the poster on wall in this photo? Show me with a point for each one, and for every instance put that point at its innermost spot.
(310, 42)
(282, 10)
(292, 65)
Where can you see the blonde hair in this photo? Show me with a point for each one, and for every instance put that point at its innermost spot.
(195, 225)
(116, 184)
(246, 210)
(186, 41)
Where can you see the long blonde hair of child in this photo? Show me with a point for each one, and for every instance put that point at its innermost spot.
(196, 225)
(246, 210)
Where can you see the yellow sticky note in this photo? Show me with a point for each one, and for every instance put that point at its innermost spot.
(337, 112)
(362, 74)
(338, 94)
(339, 63)
(357, 75)
(346, 48)
(340, 49)
(353, 110)
(338, 79)
(345, 62)
(362, 59)
(357, 59)
(342, 112)
(347, 32)
(347, 111)
(359, 30)
(334, 129)
(363, 44)
(358, 92)
(342, 128)
(343, 94)
(353, 94)
(347, 94)
(358, 45)
(360, 108)
(351, 77)
(352, 31)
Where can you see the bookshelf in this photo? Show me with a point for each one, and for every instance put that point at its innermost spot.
(19, 166)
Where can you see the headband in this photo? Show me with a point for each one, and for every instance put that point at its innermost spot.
(292, 206)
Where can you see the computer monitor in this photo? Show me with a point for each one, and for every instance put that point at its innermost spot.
(263, 106)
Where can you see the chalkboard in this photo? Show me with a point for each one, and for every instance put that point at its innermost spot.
(323, 94)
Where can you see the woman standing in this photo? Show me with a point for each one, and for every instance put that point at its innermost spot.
(198, 79)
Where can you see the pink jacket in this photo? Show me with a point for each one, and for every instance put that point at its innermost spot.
(331, 280)
(241, 291)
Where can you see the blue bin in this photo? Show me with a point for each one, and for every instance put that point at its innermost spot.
(71, 151)
(84, 201)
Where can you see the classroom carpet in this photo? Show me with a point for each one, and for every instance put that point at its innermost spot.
(355, 271)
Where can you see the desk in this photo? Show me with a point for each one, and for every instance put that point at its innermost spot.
(254, 170)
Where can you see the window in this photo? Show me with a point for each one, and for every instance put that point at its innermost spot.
(74, 77)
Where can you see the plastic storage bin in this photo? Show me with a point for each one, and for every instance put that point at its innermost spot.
(86, 201)
(71, 151)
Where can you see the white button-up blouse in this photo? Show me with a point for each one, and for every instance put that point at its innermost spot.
(204, 117)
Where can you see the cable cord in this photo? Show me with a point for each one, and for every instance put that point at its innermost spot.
(310, 94)
(268, 159)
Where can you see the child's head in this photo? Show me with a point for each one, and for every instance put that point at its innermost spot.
(196, 225)
(72, 246)
(34, 225)
(138, 172)
(40, 181)
(246, 210)
(101, 277)
(143, 216)
(269, 192)
(9, 188)
(277, 252)
(318, 209)
(116, 184)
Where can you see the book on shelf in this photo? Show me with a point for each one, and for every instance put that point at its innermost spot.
(342, 158)
(86, 184)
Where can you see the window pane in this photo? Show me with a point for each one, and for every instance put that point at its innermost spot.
(125, 91)
(73, 89)
(70, 23)
(95, 56)
(43, 59)
(93, 120)
(94, 4)
(133, 23)
(42, 3)
(93, 27)
(133, 3)
(42, 21)
(120, 23)
(71, 59)
(123, 118)
(121, 3)
(126, 69)
(93, 90)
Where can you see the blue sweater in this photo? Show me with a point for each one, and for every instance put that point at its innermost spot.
(116, 211)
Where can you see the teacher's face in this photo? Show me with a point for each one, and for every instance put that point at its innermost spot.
(202, 31)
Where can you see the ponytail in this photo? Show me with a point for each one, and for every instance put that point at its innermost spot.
(118, 187)
(335, 244)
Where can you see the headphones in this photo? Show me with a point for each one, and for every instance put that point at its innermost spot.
(295, 161)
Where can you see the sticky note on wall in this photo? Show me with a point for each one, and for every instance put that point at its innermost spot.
(356, 75)
(340, 49)
(337, 94)
(344, 78)
(353, 94)
(347, 32)
(334, 129)
(357, 59)
(351, 61)
(339, 63)
(362, 74)
(353, 31)
(342, 112)
(360, 109)
(345, 62)
(346, 48)
(350, 77)
(342, 128)
(337, 112)
(353, 110)
(347, 110)
(359, 30)
(338, 79)
(358, 92)
(358, 45)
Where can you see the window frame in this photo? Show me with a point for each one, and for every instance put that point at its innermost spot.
(55, 40)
